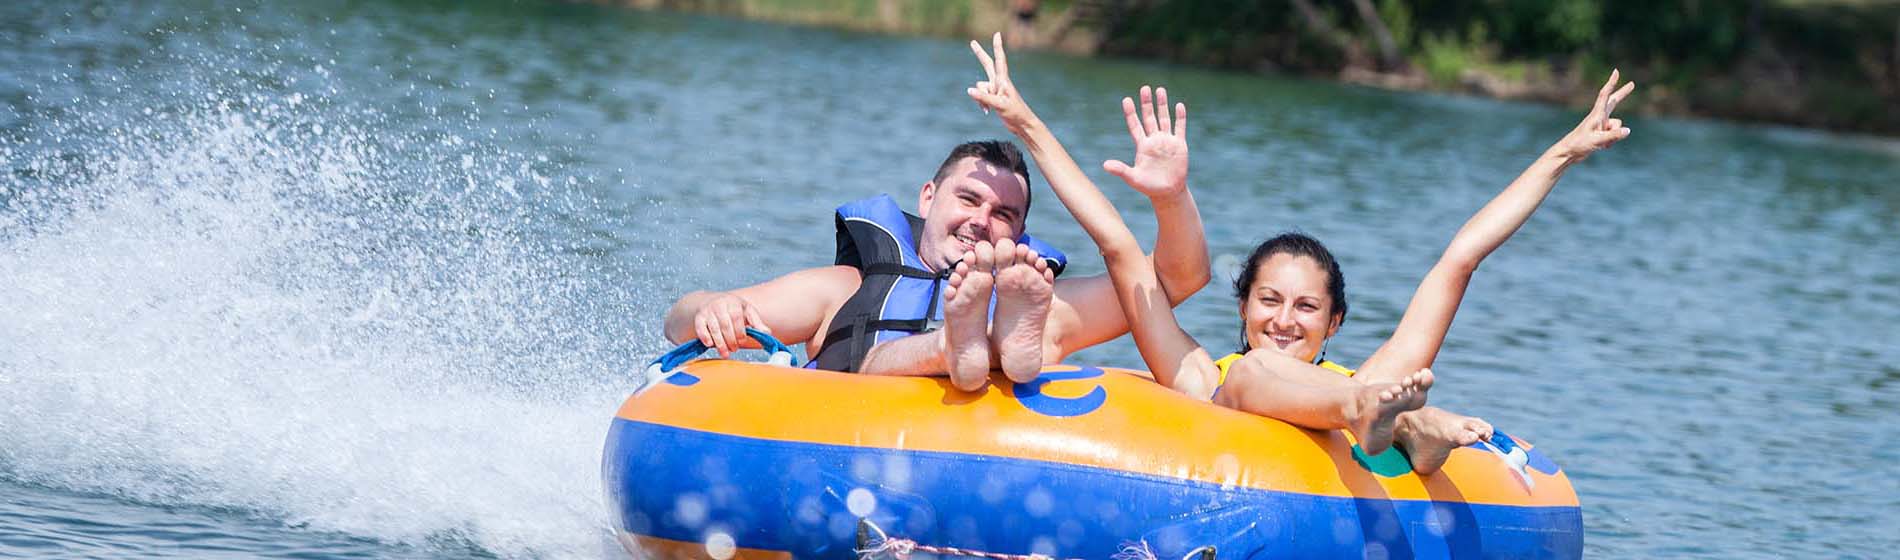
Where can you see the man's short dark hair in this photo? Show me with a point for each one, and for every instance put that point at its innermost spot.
(1000, 153)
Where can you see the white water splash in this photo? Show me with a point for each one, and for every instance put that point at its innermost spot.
(273, 306)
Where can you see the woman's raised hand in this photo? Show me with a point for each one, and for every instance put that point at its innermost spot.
(1599, 130)
(998, 93)
(1161, 150)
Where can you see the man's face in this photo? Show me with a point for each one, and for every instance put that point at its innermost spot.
(976, 201)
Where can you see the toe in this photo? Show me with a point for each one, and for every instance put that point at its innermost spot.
(984, 255)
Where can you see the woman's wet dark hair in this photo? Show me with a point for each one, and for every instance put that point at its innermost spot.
(1298, 245)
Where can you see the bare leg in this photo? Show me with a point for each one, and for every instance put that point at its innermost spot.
(1024, 287)
(1369, 411)
(1428, 434)
(1431, 433)
(1379, 373)
(966, 350)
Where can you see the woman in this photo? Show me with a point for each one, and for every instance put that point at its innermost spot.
(1292, 294)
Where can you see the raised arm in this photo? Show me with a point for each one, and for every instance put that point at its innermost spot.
(1160, 173)
(1421, 332)
(1176, 360)
(1097, 216)
(1180, 256)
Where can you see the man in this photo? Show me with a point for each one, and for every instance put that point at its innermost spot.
(972, 221)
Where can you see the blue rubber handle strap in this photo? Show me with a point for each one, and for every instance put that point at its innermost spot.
(692, 349)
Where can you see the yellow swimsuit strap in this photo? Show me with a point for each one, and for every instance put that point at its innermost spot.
(1229, 360)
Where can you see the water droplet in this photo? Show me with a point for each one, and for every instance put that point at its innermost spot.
(1227, 470)
(1043, 545)
(1442, 520)
(1039, 503)
(992, 491)
(1387, 528)
(810, 511)
(842, 525)
(1070, 533)
(720, 546)
(861, 502)
(864, 468)
(1345, 530)
(897, 472)
(690, 510)
(1227, 265)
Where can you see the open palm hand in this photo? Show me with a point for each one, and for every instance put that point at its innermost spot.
(1161, 150)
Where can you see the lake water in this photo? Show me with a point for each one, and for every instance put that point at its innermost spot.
(368, 279)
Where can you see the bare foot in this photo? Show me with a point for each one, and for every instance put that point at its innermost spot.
(1024, 286)
(1378, 408)
(966, 304)
(1431, 433)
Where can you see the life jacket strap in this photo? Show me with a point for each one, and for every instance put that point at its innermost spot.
(856, 327)
(894, 269)
(862, 330)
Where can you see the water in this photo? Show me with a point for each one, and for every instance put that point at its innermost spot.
(366, 280)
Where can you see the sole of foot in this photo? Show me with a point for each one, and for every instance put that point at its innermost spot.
(965, 326)
(1024, 288)
(1381, 404)
(1431, 433)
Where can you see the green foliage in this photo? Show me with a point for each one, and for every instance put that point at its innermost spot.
(1572, 23)
(1697, 49)
(913, 15)
(1235, 32)
(1840, 51)
(1398, 18)
(1445, 58)
(1714, 30)
(939, 14)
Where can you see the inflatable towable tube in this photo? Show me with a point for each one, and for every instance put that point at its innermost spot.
(726, 459)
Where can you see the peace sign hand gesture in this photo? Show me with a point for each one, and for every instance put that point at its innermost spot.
(1161, 151)
(1598, 130)
(999, 93)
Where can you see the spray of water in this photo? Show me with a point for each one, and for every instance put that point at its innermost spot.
(267, 302)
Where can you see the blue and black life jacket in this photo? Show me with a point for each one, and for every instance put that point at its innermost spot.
(898, 295)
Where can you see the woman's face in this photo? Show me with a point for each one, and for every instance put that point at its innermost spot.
(1288, 308)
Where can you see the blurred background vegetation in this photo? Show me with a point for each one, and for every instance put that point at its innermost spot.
(1831, 64)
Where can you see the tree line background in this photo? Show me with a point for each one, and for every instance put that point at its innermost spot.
(1824, 63)
(1828, 63)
